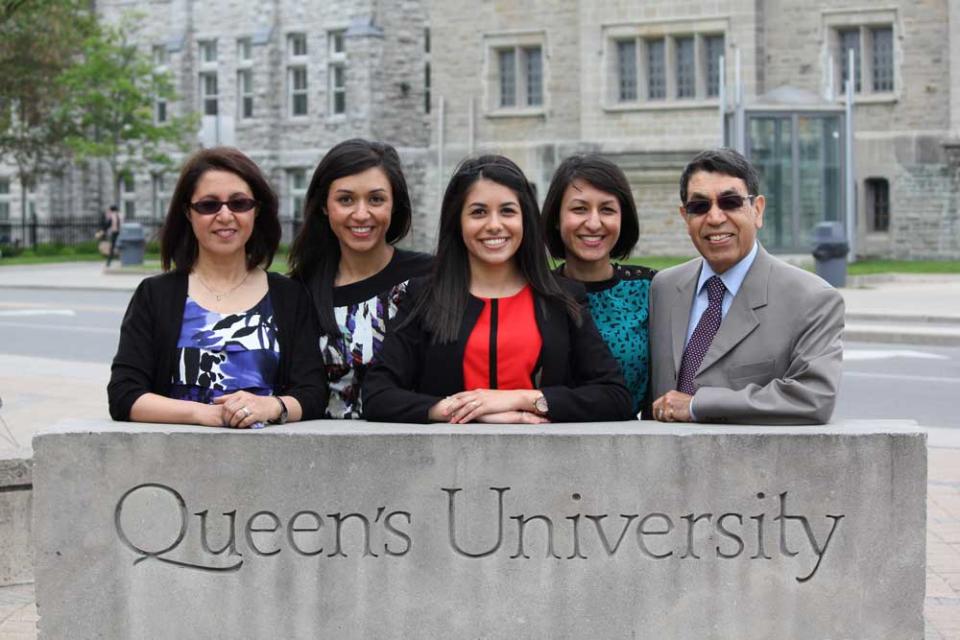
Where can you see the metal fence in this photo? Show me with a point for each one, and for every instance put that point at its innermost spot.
(71, 231)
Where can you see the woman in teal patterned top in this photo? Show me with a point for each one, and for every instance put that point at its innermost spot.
(589, 218)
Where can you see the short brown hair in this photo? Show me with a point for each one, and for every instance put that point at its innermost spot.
(178, 245)
(603, 175)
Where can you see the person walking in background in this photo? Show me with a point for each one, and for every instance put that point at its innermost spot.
(219, 340)
(357, 208)
(588, 218)
(491, 335)
(111, 227)
(736, 334)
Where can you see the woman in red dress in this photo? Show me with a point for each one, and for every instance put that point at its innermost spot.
(491, 335)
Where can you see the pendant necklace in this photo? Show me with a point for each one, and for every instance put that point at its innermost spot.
(221, 296)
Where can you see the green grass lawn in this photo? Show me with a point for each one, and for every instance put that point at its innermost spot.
(861, 268)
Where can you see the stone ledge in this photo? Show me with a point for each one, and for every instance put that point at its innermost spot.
(16, 496)
(16, 470)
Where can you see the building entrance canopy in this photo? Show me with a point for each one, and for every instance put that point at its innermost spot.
(796, 142)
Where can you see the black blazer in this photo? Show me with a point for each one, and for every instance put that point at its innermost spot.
(151, 326)
(577, 375)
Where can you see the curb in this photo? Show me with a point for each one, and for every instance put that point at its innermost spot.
(905, 318)
(900, 335)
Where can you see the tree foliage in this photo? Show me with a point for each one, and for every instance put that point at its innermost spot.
(39, 40)
(112, 93)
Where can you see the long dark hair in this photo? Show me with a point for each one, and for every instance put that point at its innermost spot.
(178, 245)
(442, 306)
(604, 175)
(315, 253)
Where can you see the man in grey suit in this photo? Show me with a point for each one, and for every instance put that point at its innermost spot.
(738, 335)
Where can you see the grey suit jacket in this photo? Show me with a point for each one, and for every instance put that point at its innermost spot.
(777, 356)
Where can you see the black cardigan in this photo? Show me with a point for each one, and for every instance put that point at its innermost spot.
(151, 327)
(579, 378)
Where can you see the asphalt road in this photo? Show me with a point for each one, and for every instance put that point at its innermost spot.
(880, 381)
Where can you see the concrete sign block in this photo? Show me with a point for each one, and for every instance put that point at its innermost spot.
(352, 530)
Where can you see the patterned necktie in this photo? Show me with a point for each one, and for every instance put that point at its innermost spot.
(702, 336)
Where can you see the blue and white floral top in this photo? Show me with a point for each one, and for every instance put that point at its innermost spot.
(220, 353)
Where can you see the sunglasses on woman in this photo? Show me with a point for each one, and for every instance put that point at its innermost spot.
(236, 205)
(726, 202)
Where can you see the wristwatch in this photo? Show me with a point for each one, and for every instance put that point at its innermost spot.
(540, 404)
(282, 418)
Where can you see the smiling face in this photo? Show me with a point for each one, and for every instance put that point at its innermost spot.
(359, 208)
(492, 223)
(723, 238)
(225, 232)
(589, 223)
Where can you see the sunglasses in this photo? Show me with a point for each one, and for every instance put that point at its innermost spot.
(726, 202)
(236, 205)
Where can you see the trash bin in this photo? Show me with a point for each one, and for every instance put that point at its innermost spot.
(830, 249)
(131, 243)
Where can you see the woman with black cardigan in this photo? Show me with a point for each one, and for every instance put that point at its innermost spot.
(357, 208)
(491, 335)
(218, 341)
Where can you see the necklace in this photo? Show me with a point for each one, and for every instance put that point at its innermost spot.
(220, 296)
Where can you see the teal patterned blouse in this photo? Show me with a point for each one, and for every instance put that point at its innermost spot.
(620, 308)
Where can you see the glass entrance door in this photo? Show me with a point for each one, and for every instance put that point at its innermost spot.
(798, 156)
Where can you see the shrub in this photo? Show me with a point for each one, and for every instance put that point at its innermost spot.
(88, 247)
(50, 249)
(8, 250)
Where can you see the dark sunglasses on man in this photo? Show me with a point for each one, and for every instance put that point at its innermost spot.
(236, 205)
(726, 202)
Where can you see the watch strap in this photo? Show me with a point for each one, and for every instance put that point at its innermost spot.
(282, 418)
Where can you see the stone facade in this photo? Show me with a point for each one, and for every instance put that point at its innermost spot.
(901, 135)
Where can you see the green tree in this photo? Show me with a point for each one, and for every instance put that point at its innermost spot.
(39, 40)
(112, 93)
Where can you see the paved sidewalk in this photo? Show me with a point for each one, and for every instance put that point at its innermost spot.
(906, 309)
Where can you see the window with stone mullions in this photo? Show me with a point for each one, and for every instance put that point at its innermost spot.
(713, 46)
(208, 93)
(160, 195)
(849, 41)
(129, 196)
(298, 91)
(686, 69)
(882, 58)
(521, 76)
(878, 203)
(627, 70)
(533, 58)
(656, 70)
(244, 49)
(297, 188)
(245, 93)
(508, 77)
(208, 50)
(297, 45)
(337, 71)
